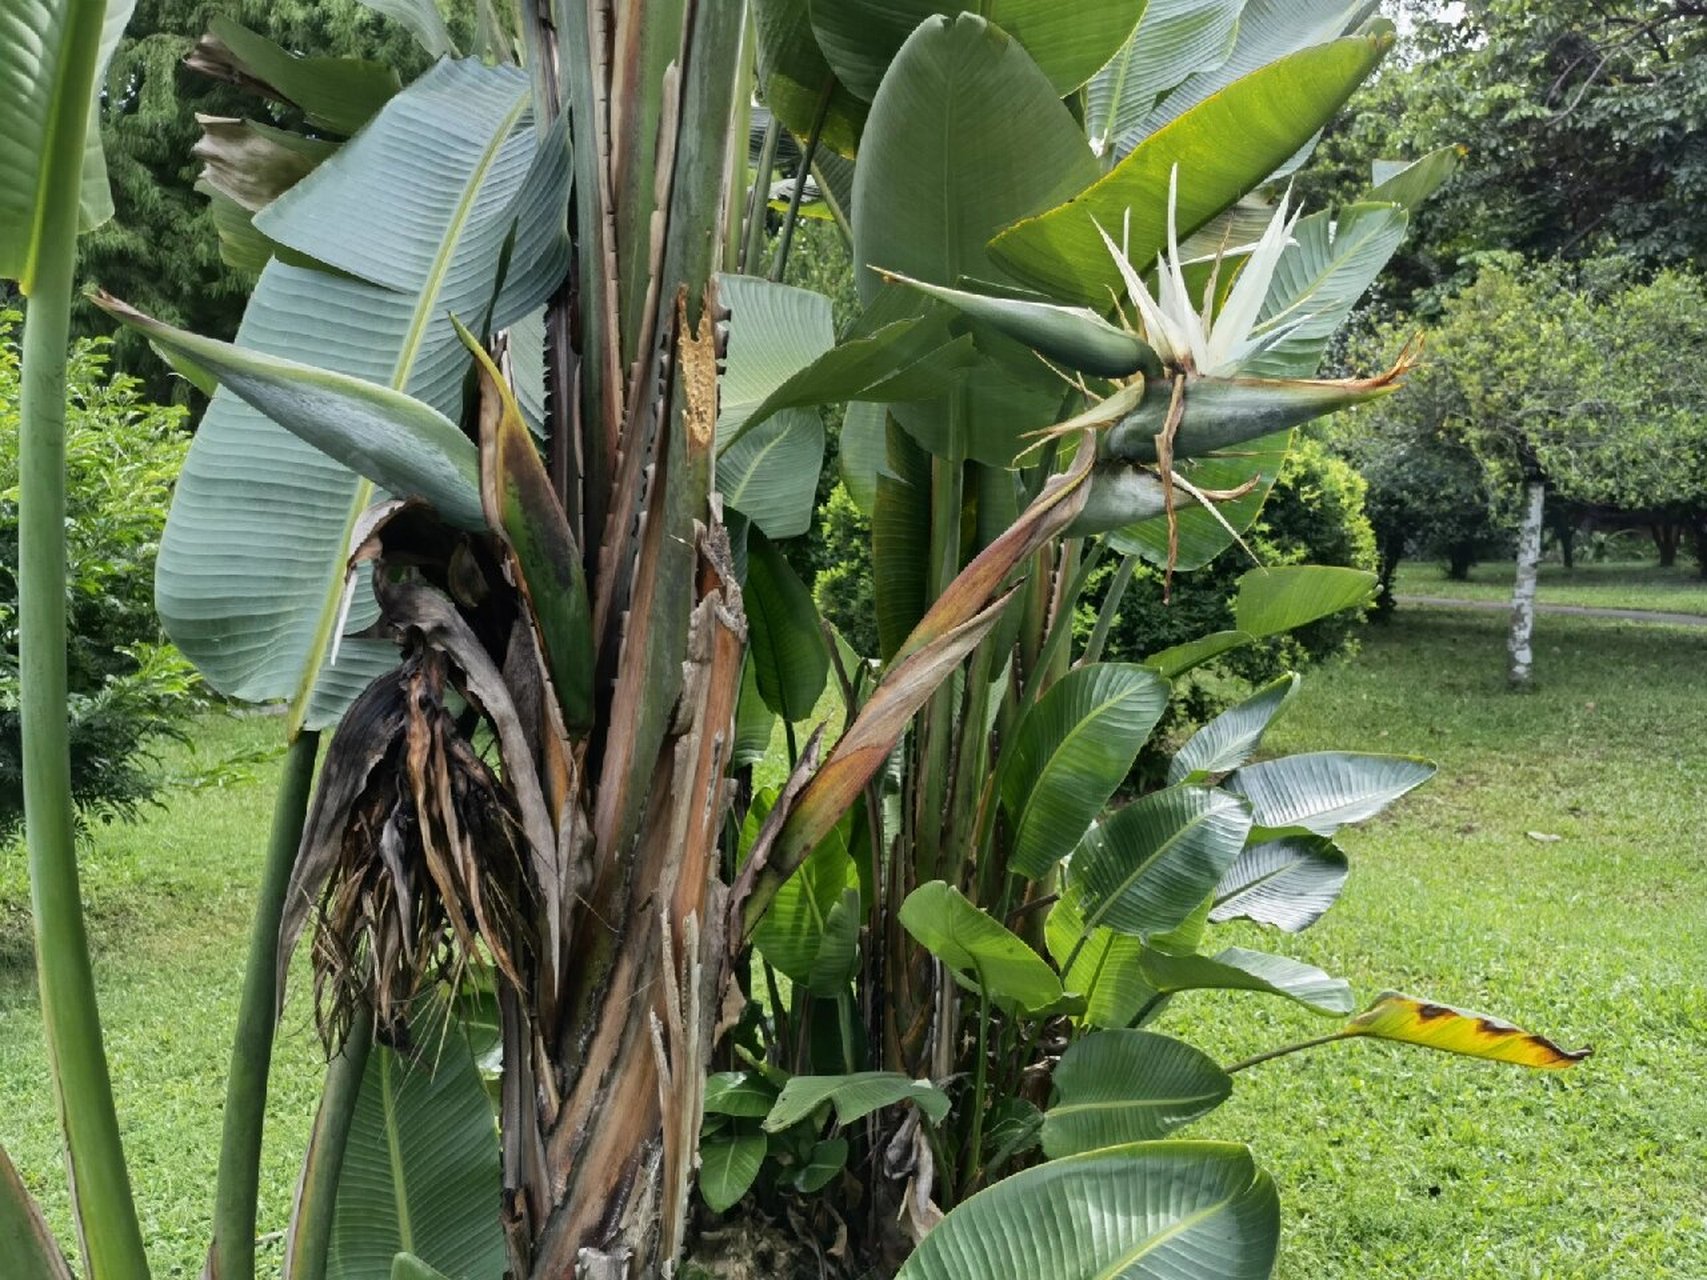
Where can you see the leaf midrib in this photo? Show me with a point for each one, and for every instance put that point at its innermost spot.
(1125, 885)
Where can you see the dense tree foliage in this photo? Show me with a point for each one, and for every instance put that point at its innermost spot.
(126, 686)
(1582, 126)
(160, 249)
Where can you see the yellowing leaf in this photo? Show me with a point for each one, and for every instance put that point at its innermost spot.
(1437, 1026)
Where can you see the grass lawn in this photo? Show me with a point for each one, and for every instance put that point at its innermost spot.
(1680, 589)
(1404, 1163)
(1392, 1162)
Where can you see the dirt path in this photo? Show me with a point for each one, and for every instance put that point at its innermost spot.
(1574, 610)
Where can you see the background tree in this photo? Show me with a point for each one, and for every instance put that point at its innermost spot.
(1582, 126)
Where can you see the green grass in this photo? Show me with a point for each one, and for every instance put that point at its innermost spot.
(1680, 589)
(1399, 1162)
(168, 901)
(1393, 1162)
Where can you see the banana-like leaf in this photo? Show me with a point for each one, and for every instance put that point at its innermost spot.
(254, 164)
(39, 37)
(1231, 738)
(790, 660)
(1237, 969)
(966, 136)
(838, 951)
(25, 1240)
(420, 1171)
(1409, 184)
(900, 539)
(1268, 31)
(729, 1164)
(1171, 663)
(251, 572)
(406, 1266)
(1288, 883)
(521, 506)
(1170, 1210)
(794, 74)
(1437, 1026)
(793, 933)
(1116, 1087)
(767, 466)
(1075, 336)
(754, 721)
(738, 1093)
(1073, 747)
(1224, 147)
(1068, 43)
(1321, 791)
(1174, 39)
(1107, 969)
(423, 21)
(1270, 602)
(854, 1097)
(828, 1158)
(860, 452)
(405, 447)
(337, 94)
(979, 947)
(1323, 272)
(1150, 866)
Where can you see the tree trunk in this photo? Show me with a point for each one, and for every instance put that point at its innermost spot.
(1460, 558)
(1667, 536)
(1523, 592)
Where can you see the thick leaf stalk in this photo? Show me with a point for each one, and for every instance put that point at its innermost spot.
(106, 1214)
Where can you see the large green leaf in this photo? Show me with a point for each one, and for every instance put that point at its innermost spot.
(423, 21)
(1289, 883)
(1175, 661)
(38, 36)
(251, 568)
(1410, 183)
(860, 452)
(409, 449)
(729, 1163)
(1232, 737)
(770, 473)
(1224, 146)
(738, 1093)
(1068, 42)
(1330, 264)
(1237, 969)
(1073, 747)
(966, 136)
(1107, 970)
(1268, 31)
(900, 539)
(790, 659)
(1174, 39)
(977, 946)
(1322, 791)
(420, 1172)
(1116, 1087)
(1168, 1210)
(1152, 864)
(1272, 601)
(794, 76)
(806, 913)
(853, 1096)
(338, 94)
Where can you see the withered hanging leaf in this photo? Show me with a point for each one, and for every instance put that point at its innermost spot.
(1437, 1026)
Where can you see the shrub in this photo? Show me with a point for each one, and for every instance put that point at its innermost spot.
(842, 589)
(127, 687)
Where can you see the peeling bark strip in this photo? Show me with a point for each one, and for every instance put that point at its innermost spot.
(1523, 591)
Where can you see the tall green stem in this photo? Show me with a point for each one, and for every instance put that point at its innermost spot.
(235, 1193)
(106, 1214)
(317, 1193)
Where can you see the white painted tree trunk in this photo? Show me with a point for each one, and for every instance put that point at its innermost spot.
(1523, 593)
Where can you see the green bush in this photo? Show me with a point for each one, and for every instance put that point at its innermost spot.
(126, 685)
(842, 588)
(1315, 515)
